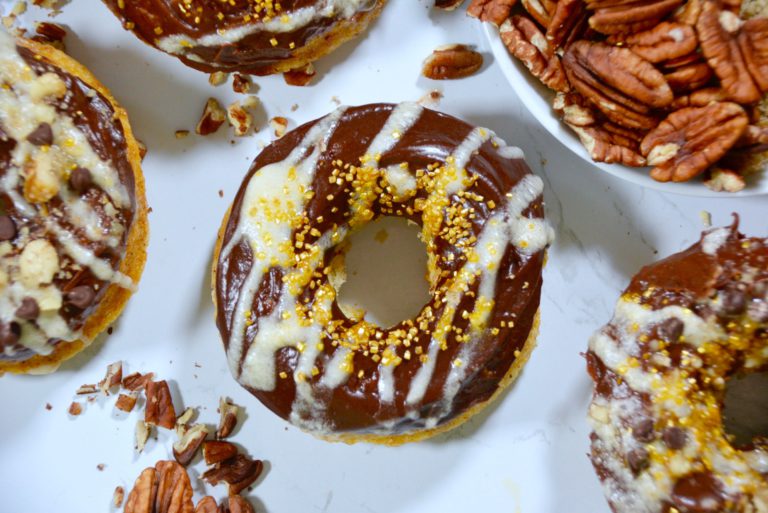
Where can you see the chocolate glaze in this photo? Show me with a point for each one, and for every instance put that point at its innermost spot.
(356, 406)
(255, 54)
(93, 114)
(688, 279)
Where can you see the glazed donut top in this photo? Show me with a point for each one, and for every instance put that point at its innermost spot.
(481, 215)
(235, 35)
(67, 202)
(683, 327)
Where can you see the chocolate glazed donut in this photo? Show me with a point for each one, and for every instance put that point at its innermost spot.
(682, 328)
(279, 261)
(258, 37)
(73, 226)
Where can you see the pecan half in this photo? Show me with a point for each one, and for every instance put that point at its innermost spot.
(569, 20)
(626, 17)
(217, 451)
(452, 62)
(492, 11)
(719, 37)
(620, 83)
(604, 145)
(239, 473)
(159, 409)
(540, 10)
(227, 418)
(162, 489)
(186, 447)
(664, 42)
(691, 139)
(525, 41)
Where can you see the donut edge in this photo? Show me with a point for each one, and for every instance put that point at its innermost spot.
(132, 265)
(411, 436)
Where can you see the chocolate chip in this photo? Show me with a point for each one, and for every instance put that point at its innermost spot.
(732, 300)
(81, 296)
(28, 310)
(7, 228)
(675, 438)
(670, 329)
(42, 135)
(9, 334)
(643, 431)
(637, 459)
(80, 179)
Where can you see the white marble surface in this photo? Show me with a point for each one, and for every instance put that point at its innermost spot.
(527, 454)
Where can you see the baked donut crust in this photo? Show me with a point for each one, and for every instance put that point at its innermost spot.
(683, 327)
(238, 37)
(510, 351)
(115, 297)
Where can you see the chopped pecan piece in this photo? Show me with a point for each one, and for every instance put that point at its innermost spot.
(525, 41)
(241, 84)
(622, 17)
(620, 83)
(162, 489)
(492, 11)
(213, 117)
(448, 5)
(112, 378)
(159, 409)
(279, 125)
(451, 62)
(719, 37)
(186, 447)
(725, 180)
(75, 409)
(87, 389)
(692, 139)
(240, 119)
(227, 418)
(300, 77)
(50, 33)
(217, 451)
(137, 381)
(217, 78)
(239, 473)
(142, 435)
(125, 402)
(118, 496)
(664, 42)
(753, 140)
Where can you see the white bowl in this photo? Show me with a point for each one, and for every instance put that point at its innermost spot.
(538, 99)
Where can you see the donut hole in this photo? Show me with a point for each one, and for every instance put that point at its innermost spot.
(745, 414)
(386, 269)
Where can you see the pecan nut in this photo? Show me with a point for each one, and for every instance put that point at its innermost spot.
(163, 489)
(300, 77)
(628, 17)
(540, 10)
(610, 146)
(623, 85)
(159, 409)
(185, 448)
(687, 78)
(238, 472)
(569, 21)
(525, 41)
(492, 11)
(691, 139)
(217, 451)
(212, 118)
(664, 42)
(734, 51)
(227, 418)
(452, 62)
(574, 110)
(448, 5)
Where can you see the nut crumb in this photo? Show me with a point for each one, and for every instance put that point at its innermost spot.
(279, 124)
(100, 467)
(294, 107)
(706, 218)
(240, 119)
(118, 496)
(217, 78)
(75, 409)
(181, 134)
(48, 406)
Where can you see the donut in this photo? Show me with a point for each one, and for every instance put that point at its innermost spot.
(258, 37)
(73, 222)
(682, 328)
(278, 264)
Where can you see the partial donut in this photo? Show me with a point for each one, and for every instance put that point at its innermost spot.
(258, 37)
(279, 261)
(683, 327)
(73, 222)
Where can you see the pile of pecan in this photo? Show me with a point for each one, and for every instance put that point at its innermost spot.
(672, 84)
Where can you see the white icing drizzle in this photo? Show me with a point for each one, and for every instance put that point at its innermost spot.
(714, 239)
(23, 107)
(178, 44)
(400, 120)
